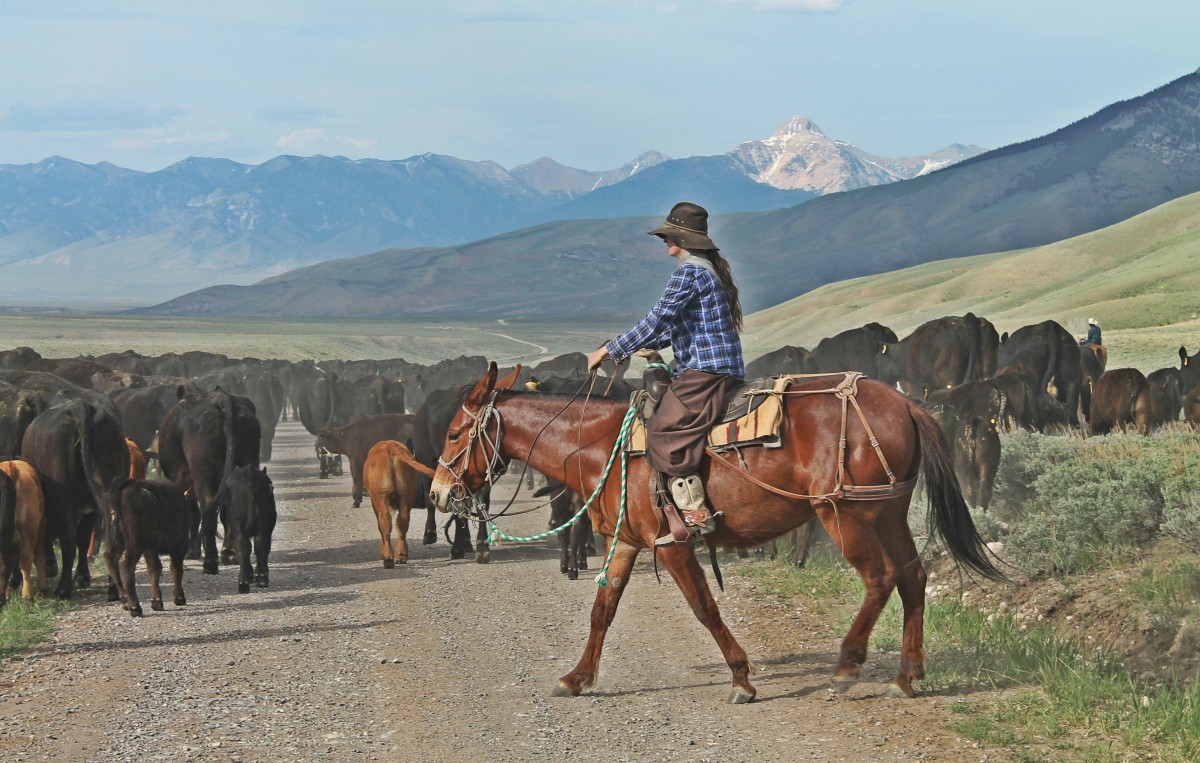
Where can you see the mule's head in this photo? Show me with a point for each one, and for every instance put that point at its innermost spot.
(471, 451)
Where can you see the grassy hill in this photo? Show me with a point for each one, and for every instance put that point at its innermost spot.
(1140, 278)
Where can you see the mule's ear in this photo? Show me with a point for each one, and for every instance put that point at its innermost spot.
(484, 386)
(508, 381)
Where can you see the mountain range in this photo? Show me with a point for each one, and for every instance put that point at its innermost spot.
(70, 230)
(1123, 160)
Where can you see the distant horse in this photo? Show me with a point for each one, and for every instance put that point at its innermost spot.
(861, 494)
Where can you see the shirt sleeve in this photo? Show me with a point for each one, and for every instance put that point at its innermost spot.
(655, 329)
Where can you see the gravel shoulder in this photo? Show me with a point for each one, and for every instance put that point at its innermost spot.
(342, 660)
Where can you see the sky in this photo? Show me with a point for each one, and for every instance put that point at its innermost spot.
(589, 83)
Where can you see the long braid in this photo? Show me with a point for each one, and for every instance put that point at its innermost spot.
(725, 276)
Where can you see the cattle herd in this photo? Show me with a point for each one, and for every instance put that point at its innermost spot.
(74, 433)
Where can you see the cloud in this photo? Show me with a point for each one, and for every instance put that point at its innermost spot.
(798, 6)
(308, 114)
(86, 116)
(310, 140)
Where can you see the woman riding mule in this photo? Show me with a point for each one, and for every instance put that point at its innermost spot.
(850, 451)
(698, 316)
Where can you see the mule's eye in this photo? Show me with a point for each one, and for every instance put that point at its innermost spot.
(453, 436)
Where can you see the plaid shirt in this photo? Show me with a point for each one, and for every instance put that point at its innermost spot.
(693, 318)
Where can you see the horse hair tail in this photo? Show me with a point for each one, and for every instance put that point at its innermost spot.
(948, 516)
(405, 455)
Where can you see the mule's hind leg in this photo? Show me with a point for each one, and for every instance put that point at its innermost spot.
(855, 535)
(604, 609)
(910, 582)
(681, 562)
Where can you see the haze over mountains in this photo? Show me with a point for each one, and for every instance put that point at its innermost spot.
(1127, 158)
(70, 230)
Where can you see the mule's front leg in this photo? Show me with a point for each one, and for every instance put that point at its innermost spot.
(689, 576)
(604, 609)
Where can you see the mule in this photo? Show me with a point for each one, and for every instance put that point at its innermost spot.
(860, 493)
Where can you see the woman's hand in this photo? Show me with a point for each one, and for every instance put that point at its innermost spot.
(596, 357)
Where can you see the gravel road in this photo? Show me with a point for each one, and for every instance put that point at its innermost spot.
(439, 660)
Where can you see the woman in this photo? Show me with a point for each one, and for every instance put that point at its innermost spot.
(698, 317)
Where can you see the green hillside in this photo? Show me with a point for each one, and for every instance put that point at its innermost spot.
(1140, 278)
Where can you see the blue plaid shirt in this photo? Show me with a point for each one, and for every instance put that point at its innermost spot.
(692, 317)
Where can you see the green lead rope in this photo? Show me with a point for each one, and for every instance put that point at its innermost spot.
(494, 533)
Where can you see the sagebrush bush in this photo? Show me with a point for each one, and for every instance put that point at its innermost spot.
(1074, 502)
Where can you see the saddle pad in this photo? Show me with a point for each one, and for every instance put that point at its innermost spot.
(759, 427)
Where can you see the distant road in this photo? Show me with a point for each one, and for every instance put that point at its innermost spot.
(540, 349)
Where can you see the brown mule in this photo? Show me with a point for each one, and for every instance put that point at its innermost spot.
(805, 477)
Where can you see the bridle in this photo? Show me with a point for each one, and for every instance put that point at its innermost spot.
(463, 502)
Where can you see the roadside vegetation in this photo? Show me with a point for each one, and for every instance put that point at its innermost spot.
(1091, 655)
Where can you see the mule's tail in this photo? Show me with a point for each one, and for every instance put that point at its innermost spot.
(948, 515)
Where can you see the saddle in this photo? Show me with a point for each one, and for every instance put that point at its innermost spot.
(752, 416)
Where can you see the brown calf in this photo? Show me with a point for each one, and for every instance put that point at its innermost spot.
(1121, 398)
(22, 529)
(390, 479)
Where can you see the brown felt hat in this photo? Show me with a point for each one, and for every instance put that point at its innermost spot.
(686, 225)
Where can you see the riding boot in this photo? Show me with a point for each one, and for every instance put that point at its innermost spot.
(688, 492)
(677, 529)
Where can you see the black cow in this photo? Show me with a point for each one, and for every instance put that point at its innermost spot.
(143, 410)
(785, 360)
(1052, 353)
(1189, 371)
(18, 408)
(147, 519)
(975, 446)
(58, 390)
(78, 450)
(1191, 408)
(18, 359)
(202, 440)
(939, 354)
(374, 395)
(246, 505)
(1166, 399)
(853, 350)
(324, 403)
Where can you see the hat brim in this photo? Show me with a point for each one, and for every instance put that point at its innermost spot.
(688, 239)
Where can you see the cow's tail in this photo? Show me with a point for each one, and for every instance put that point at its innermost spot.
(949, 518)
(8, 528)
(972, 358)
(230, 440)
(86, 428)
(1051, 368)
(405, 455)
(113, 532)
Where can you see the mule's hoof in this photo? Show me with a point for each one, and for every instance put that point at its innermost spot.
(483, 557)
(429, 539)
(741, 695)
(156, 605)
(136, 612)
(388, 564)
(895, 691)
(243, 588)
(843, 683)
(181, 602)
(562, 690)
(572, 574)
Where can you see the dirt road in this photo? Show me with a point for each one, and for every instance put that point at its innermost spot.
(438, 660)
